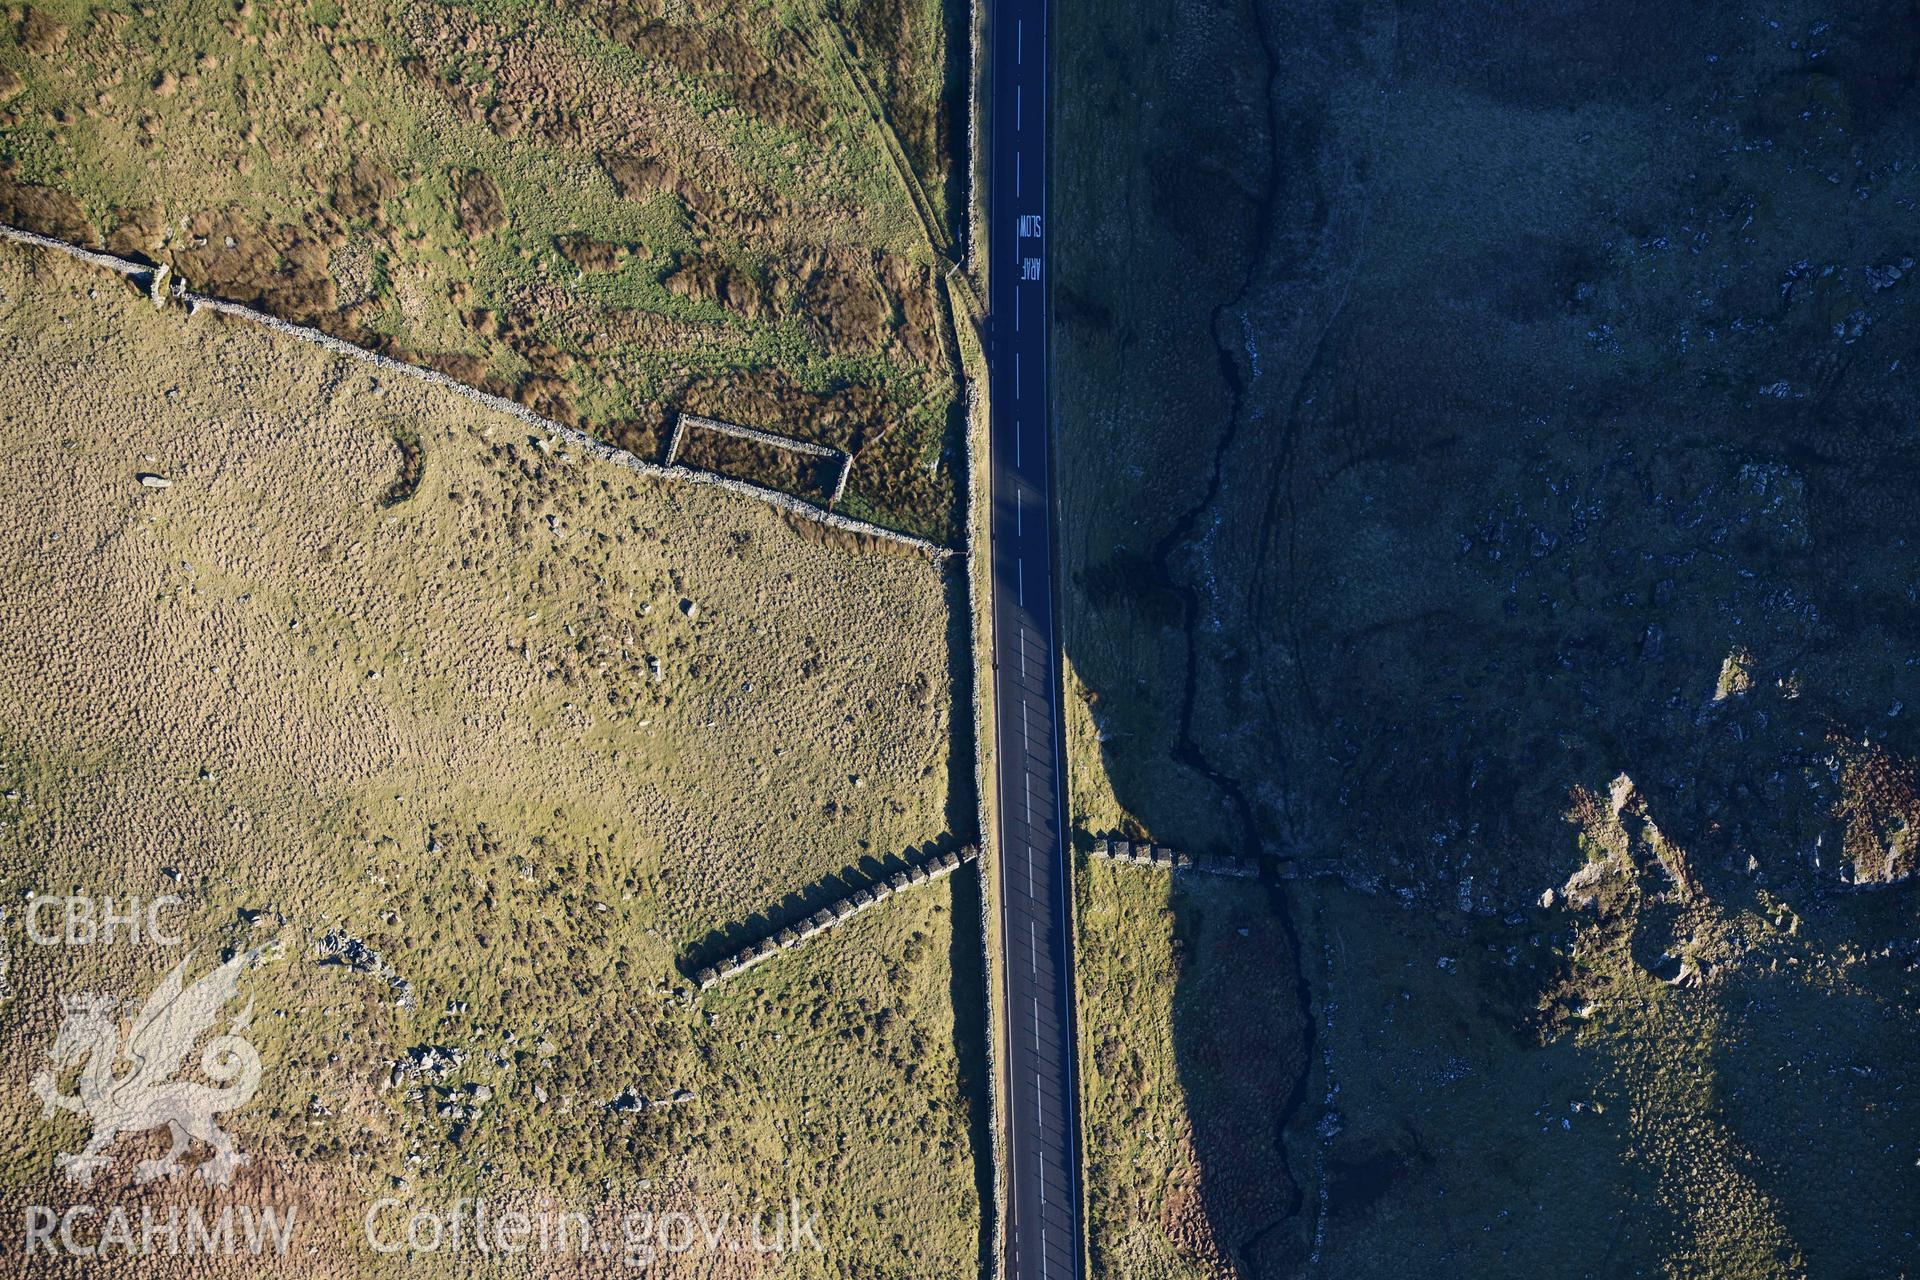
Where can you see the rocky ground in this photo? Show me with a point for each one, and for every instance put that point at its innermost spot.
(470, 738)
(1536, 557)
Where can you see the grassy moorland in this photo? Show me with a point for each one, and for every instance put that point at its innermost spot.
(733, 209)
(470, 738)
(1529, 571)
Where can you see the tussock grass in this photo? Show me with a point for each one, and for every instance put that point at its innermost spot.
(606, 216)
(434, 726)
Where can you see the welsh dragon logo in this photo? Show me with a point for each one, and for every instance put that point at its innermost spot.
(145, 1095)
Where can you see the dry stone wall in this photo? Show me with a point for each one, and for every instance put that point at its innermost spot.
(165, 292)
(837, 912)
(1147, 854)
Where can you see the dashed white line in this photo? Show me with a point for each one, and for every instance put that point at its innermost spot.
(1026, 643)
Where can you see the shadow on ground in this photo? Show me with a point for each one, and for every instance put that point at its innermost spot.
(1463, 409)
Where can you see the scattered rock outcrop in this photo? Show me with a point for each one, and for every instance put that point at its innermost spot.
(338, 947)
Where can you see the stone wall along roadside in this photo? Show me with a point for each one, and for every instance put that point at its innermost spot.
(836, 912)
(1144, 853)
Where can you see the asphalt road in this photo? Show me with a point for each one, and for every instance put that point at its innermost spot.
(1041, 1120)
